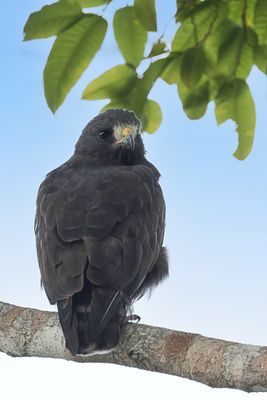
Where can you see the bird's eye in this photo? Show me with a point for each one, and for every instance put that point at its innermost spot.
(104, 134)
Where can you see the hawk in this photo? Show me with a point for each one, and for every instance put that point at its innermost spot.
(99, 229)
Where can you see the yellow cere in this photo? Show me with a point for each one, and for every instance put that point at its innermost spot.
(126, 131)
(121, 132)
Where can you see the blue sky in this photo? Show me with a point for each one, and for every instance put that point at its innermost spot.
(216, 229)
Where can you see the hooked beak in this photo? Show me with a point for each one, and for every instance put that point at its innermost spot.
(129, 141)
(127, 137)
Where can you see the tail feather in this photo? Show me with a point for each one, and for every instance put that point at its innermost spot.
(68, 322)
(105, 304)
(92, 319)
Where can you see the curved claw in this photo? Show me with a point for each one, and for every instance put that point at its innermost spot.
(133, 318)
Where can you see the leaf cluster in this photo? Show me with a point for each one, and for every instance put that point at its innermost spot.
(213, 50)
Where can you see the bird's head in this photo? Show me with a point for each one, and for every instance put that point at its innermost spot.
(112, 136)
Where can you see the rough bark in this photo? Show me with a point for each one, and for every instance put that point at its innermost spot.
(216, 363)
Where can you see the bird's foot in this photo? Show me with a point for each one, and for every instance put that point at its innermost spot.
(133, 318)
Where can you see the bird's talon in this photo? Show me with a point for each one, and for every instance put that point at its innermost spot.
(133, 318)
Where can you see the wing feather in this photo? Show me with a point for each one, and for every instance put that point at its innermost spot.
(107, 224)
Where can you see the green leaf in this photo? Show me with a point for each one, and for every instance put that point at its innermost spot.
(144, 85)
(230, 50)
(146, 13)
(158, 48)
(214, 86)
(172, 72)
(260, 58)
(236, 11)
(240, 10)
(260, 22)
(250, 13)
(213, 43)
(151, 116)
(193, 66)
(184, 38)
(130, 35)
(195, 100)
(70, 56)
(88, 3)
(51, 20)
(246, 57)
(116, 82)
(183, 9)
(93, 3)
(234, 101)
(122, 102)
(197, 27)
(236, 53)
(136, 99)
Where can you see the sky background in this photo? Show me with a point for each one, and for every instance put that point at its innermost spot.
(216, 230)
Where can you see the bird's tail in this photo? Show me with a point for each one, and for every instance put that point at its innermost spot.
(92, 320)
(68, 322)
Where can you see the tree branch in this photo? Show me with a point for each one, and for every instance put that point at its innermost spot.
(216, 363)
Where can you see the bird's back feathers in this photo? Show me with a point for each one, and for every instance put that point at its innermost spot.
(99, 233)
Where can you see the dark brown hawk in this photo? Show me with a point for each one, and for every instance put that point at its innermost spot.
(99, 231)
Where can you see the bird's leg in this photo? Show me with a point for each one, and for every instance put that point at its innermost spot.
(131, 316)
(130, 311)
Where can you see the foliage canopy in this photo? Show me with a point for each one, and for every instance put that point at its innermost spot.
(210, 57)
